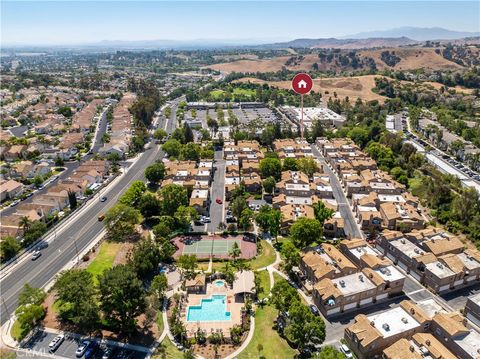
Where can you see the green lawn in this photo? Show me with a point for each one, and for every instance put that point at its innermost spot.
(217, 94)
(104, 259)
(243, 92)
(273, 346)
(16, 331)
(264, 283)
(167, 350)
(160, 321)
(266, 257)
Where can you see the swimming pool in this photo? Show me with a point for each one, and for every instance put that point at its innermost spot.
(219, 283)
(212, 309)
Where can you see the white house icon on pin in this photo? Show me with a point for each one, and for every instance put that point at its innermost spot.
(302, 84)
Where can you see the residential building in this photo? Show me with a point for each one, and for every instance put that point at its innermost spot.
(472, 309)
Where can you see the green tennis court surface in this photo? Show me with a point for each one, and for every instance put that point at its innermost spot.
(209, 246)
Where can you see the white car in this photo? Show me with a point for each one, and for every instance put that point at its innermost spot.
(55, 343)
(36, 255)
(346, 350)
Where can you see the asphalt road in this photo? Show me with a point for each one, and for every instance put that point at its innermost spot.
(102, 128)
(70, 239)
(351, 227)
(217, 191)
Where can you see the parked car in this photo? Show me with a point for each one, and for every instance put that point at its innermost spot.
(103, 199)
(101, 217)
(206, 219)
(91, 349)
(219, 201)
(346, 350)
(56, 342)
(314, 309)
(82, 348)
(108, 353)
(36, 255)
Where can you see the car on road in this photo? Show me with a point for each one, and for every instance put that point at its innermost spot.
(103, 199)
(15, 203)
(42, 245)
(219, 201)
(55, 343)
(206, 219)
(314, 309)
(82, 348)
(346, 350)
(36, 255)
(101, 217)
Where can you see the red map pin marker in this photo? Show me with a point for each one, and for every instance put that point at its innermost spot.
(302, 83)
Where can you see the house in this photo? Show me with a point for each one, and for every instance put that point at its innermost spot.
(422, 345)
(450, 329)
(372, 334)
(10, 189)
(197, 284)
(253, 182)
(472, 309)
(200, 200)
(292, 212)
(15, 152)
(398, 216)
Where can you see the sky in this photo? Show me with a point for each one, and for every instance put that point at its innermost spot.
(77, 22)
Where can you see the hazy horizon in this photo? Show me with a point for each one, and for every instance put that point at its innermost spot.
(44, 23)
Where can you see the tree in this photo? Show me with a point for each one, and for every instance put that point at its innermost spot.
(72, 199)
(235, 252)
(245, 219)
(308, 166)
(187, 264)
(271, 167)
(303, 326)
(269, 220)
(25, 223)
(322, 213)
(133, 194)
(30, 309)
(160, 134)
(76, 293)
(31, 295)
(155, 172)
(122, 297)
(9, 247)
(173, 196)
(164, 227)
(34, 232)
(120, 221)
(305, 231)
(359, 136)
(290, 164)
(291, 256)
(37, 181)
(145, 258)
(187, 133)
(283, 295)
(269, 185)
(238, 205)
(59, 161)
(149, 205)
(190, 152)
(172, 147)
(184, 215)
(159, 286)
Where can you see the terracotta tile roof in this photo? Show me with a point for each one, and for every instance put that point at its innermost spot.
(341, 260)
(364, 331)
(373, 276)
(453, 262)
(401, 349)
(415, 311)
(437, 350)
(444, 245)
(452, 323)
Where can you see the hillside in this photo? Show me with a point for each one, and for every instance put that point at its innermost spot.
(409, 58)
(333, 43)
(353, 87)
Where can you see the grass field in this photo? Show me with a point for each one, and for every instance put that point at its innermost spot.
(167, 350)
(266, 338)
(266, 257)
(264, 283)
(217, 94)
(104, 259)
(159, 321)
(243, 92)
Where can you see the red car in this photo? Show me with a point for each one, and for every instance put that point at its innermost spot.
(219, 201)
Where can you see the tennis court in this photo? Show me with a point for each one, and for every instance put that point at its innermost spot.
(216, 247)
(209, 246)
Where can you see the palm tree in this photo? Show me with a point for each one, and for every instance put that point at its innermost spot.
(25, 223)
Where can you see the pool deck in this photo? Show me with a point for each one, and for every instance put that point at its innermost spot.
(210, 327)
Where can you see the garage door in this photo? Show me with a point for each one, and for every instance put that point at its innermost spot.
(403, 266)
(469, 279)
(392, 258)
(366, 301)
(458, 282)
(333, 311)
(382, 296)
(350, 306)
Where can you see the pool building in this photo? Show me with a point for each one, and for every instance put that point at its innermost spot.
(212, 305)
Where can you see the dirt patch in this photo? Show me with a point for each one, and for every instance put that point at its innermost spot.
(208, 351)
(121, 257)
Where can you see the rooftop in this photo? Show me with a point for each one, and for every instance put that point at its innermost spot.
(393, 322)
(353, 283)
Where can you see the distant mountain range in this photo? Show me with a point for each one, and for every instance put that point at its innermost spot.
(415, 33)
(344, 43)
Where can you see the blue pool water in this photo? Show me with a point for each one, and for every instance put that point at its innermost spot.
(212, 309)
(219, 283)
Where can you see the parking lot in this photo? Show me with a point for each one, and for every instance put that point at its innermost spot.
(40, 340)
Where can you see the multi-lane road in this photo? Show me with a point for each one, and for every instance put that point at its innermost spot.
(76, 236)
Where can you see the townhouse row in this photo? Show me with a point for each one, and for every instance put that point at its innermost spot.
(349, 277)
(378, 201)
(413, 330)
(434, 257)
(88, 175)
